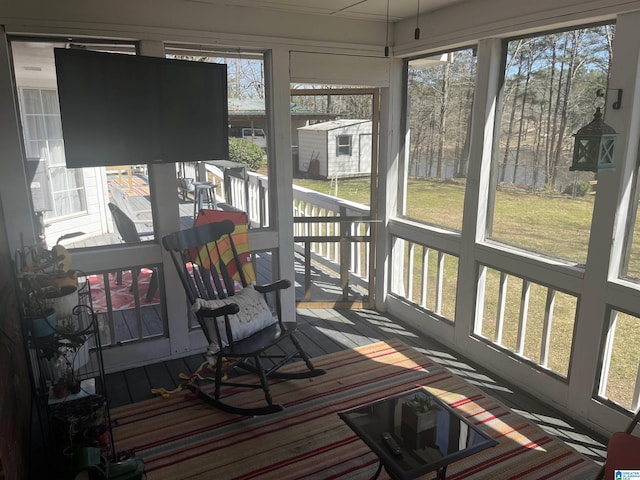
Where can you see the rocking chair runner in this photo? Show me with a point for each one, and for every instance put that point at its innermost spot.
(207, 261)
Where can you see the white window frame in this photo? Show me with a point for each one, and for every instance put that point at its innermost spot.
(40, 148)
(344, 148)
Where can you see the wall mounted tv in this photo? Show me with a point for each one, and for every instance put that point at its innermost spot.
(121, 109)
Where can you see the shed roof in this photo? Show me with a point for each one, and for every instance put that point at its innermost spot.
(333, 124)
(254, 107)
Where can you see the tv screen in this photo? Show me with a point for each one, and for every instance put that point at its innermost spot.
(121, 109)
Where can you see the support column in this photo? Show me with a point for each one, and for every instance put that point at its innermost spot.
(390, 157)
(609, 226)
(166, 219)
(278, 111)
(16, 201)
(478, 190)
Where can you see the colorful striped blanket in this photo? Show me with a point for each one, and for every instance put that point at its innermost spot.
(182, 437)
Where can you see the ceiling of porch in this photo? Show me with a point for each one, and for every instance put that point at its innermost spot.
(375, 10)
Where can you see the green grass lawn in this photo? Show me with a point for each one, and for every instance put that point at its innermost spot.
(555, 225)
(354, 189)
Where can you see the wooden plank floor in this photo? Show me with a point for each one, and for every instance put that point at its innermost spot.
(325, 331)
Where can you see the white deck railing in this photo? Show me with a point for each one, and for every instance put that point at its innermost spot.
(330, 232)
(335, 234)
(518, 315)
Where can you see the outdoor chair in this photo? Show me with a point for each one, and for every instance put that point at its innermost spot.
(234, 315)
(129, 234)
(622, 452)
(142, 219)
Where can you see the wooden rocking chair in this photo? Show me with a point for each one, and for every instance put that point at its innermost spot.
(233, 314)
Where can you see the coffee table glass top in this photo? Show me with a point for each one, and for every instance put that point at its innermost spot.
(429, 434)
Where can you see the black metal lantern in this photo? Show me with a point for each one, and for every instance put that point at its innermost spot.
(594, 145)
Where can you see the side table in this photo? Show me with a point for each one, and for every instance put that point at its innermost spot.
(415, 433)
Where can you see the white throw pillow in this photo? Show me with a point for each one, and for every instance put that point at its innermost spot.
(254, 315)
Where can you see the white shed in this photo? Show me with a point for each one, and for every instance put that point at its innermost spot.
(334, 149)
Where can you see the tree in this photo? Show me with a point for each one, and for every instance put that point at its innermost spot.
(549, 92)
(440, 93)
(246, 152)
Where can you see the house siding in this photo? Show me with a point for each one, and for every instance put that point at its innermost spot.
(320, 141)
(359, 162)
(312, 145)
(94, 221)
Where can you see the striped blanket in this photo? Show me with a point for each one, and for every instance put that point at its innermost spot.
(181, 437)
(240, 238)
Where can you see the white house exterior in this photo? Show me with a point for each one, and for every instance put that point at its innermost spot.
(334, 149)
(81, 193)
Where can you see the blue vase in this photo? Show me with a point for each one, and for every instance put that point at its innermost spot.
(45, 325)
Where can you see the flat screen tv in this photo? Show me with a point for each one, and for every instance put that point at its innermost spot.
(121, 109)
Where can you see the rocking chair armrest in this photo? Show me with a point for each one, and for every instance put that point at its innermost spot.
(228, 309)
(273, 286)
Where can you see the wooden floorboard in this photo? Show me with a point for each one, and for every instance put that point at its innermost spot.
(319, 333)
(194, 362)
(160, 376)
(122, 327)
(306, 335)
(151, 320)
(138, 384)
(117, 390)
(175, 367)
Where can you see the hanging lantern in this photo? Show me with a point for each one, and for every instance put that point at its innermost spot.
(594, 145)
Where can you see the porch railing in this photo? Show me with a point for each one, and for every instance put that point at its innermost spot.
(336, 234)
(329, 232)
(518, 315)
(424, 276)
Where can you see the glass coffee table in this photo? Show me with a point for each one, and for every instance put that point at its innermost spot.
(414, 433)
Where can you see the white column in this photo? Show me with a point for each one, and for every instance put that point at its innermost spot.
(390, 156)
(166, 219)
(281, 166)
(608, 228)
(478, 182)
(14, 189)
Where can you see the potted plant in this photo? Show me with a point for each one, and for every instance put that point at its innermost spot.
(419, 412)
(48, 295)
(46, 282)
(60, 355)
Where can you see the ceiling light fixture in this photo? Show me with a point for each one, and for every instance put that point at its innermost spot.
(416, 33)
(386, 45)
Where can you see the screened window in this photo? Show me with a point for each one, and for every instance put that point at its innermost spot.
(440, 93)
(62, 190)
(343, 145)
(548, 94)
(619, 376)
(631, 261)
(74, 200)
(235, 183)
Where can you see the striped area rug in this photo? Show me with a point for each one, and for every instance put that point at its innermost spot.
(183, 438)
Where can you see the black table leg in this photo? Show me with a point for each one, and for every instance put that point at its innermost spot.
(377, 474)
(441, 473)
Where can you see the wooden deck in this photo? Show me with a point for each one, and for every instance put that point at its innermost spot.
(325, 331)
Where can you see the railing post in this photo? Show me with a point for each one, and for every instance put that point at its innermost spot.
(262, 203)
(345, 254)
(307, 271)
